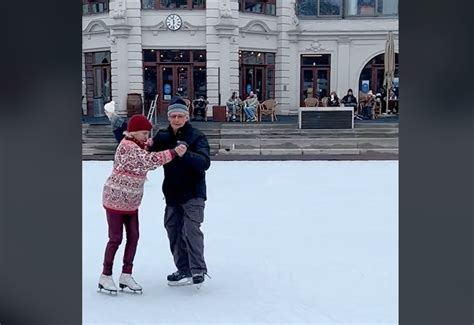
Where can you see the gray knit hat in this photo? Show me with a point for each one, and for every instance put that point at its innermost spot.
(179, 106)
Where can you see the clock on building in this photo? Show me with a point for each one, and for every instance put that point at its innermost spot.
(173, 22)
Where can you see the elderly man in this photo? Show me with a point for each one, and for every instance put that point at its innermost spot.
(184, 187)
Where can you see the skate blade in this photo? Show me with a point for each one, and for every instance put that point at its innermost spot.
(106, 291)
(180, 283)
(130, 290)
(198, 285)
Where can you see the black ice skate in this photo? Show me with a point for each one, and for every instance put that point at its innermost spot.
(198, 279)
(180, 278)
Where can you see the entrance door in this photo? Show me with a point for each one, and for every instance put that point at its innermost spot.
(254, 78)
(173, 79)
(308, 88)
(314, 83)
(378, 76)
(102, 93)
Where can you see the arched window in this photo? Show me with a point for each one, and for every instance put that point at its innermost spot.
(372, 75)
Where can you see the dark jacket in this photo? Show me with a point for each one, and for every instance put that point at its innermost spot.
(349, 100)
(185, 177)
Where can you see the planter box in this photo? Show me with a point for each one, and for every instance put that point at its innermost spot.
(219, 113)
(326, 117)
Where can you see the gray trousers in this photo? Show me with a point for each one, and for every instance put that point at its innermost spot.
(183, 222)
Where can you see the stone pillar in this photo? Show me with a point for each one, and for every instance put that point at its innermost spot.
(342, 83)
(222, 35)
(284, 86)
(134, 48)
(212, 51)
(120, 30)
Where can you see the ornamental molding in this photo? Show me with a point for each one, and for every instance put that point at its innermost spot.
(95, 27)
(161, 27)
(258, 27)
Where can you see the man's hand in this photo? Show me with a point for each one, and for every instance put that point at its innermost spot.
(181, 150)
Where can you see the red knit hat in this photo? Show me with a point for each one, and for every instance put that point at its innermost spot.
(138, 123)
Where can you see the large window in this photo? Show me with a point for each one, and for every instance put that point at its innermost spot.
(267, 7)
(257, 74)
(371, 77)
(168, 72)
(319, 8)
(173, 4)
(315, 76)
(371, 7)
(94, 6)
(351, 8)
(98, 82)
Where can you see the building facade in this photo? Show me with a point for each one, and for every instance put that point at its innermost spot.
(282, 49)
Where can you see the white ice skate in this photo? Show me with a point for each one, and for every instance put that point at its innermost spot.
(126, 281)
(106, 282)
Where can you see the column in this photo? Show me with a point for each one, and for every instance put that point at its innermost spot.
(284, 87)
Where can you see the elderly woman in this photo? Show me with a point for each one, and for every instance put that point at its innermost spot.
(250, 107)
(122, 195)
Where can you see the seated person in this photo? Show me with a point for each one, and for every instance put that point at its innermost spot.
(232, 104)
(368, 105)
(393, 106)
(250, 107)
(349, 100)
(333, 100)
(200, 107)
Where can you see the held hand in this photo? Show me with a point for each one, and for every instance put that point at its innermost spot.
(149, 142)
(181, 150)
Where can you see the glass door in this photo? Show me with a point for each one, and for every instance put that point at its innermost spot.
(322, 82)
(255, 80)
(259, 82)
(173, 80)
(308, 88)
(102, 93)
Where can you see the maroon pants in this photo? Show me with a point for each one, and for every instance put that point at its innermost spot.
(116, 222)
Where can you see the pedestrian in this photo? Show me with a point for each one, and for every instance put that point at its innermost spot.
(184, 188)
(122, 195)
(119, 125)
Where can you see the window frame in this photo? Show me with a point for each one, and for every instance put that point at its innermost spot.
(344, 5)
(376, 11)
(90, 3)
(318, 10)
(264, 7)
(265, 67)
(190, 6)
(315, 68)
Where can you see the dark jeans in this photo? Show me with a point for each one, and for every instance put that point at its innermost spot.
(116, 222)
(183, 222)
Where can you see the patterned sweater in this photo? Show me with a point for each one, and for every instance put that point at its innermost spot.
(123, 190)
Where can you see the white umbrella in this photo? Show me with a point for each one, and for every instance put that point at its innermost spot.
(389, 65)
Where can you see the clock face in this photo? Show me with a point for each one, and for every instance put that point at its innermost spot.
(173, 22)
